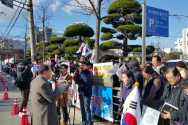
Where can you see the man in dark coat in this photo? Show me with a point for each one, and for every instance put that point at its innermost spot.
(184, 111)
(135, 68)
(85, 81)
(173, 94)
(23, 74)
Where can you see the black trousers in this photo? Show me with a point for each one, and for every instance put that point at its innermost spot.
(65, 113)
(25, 98)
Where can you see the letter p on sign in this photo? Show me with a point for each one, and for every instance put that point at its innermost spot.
(151, 22)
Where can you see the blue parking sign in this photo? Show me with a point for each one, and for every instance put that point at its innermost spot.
(157, 22)
(35, 68)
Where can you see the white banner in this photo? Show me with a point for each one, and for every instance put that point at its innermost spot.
(149, 116)
(73, 93)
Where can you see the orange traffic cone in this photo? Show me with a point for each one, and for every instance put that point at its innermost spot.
(24, 119)
(15, 108)
(5, 95)
(6, 87)
(1, 80)
(3, 83)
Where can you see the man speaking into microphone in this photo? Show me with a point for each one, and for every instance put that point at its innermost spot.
(84, 79)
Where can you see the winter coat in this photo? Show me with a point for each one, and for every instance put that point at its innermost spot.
(125, 92)
(135, 68)
(153, 90)
(23, 74)
(177, 99)
(43, 107)
(184, 114)
(65, 95)
(85, 81)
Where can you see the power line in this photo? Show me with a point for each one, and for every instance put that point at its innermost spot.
(12, 19)
(173, 37)
(15, 20)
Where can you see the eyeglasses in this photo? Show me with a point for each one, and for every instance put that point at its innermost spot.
(171, 78)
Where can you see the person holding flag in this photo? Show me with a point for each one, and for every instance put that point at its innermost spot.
(128, 81)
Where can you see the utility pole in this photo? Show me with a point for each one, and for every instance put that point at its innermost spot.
(143, 34)
(158, 46)
(25, 40)
(31, 28)
(43, 20)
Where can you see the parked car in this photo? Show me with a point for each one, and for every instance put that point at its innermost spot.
(173, 62)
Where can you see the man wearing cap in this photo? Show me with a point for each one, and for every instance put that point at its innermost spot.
(181, 67)
(64, 97)
(85, 80)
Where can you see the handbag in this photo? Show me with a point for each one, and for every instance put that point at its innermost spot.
(16, 82)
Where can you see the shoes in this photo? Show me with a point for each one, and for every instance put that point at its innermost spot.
(64, 123)
(20, 114)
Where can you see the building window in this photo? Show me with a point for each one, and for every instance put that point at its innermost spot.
(180, 50)
(180, 44)
(176, 45)
(187, 34)
(187, 42)
(49, 33)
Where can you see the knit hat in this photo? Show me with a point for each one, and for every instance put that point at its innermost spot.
(180, 64)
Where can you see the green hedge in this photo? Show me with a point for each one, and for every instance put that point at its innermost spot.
(125, 4)
(53, 47)
(71, 50)
(57, 40)
(67, 56)
(106, 30)
(78, 29)
(106, 36)
(108, 45)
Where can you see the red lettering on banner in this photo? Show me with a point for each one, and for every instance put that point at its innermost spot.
(70, 91)
(97, 101)
(93, 99)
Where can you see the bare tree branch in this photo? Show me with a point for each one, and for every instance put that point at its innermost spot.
(84, 8)
(95, 12)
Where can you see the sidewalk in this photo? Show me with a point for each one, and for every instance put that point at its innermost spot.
(6, 106)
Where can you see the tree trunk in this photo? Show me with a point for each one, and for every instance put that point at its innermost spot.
(97, 35)
(125, 50)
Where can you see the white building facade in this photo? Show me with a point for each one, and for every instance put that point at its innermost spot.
(181, 45)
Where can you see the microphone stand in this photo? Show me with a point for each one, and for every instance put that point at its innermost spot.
(74, 88)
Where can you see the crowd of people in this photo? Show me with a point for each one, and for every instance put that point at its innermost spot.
(158, 84)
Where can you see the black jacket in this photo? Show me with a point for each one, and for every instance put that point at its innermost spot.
(177, 100)
(24, 75)
(184, 114)
(85, 81)
(135, 68)
(138, 77)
